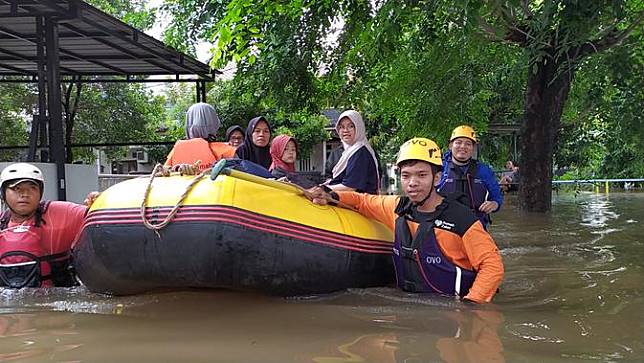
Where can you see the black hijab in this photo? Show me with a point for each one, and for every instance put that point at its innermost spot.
(232, 129)
(249, 151)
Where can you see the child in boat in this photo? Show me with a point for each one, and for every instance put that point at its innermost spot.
(283, 154)
(284, 151)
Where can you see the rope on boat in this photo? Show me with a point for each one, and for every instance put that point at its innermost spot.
(157, 169)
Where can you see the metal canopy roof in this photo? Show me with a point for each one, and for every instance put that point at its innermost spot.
(90, 43)
(44, 41)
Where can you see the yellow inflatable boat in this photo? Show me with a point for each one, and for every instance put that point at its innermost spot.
(238, 231)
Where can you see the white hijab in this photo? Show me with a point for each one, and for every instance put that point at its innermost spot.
(360, 141)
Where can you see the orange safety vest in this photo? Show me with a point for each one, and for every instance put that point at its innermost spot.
(189, 151)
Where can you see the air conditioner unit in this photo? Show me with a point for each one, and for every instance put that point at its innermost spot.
(142, 157)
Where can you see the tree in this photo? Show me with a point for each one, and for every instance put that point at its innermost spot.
(104, 113)
(394, 61)
(602, 125)
(117, 112)
(282, 86)
(89, 117)
(557, 36)
(70, 109)
(425, 66)
(15, 105)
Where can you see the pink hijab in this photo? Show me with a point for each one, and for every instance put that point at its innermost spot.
(277, 151)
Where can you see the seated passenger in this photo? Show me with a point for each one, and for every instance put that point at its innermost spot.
(509, 169)
(202, 124)
(510, 178)
(284, 153)
(357, 169)
(235, 136)
(256, 146)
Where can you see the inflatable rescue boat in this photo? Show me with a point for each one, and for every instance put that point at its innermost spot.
(238, 231)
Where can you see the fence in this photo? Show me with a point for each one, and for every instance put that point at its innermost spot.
(107, 180)
(628, 183)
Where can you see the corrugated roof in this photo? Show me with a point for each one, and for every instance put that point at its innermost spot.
(91, 42)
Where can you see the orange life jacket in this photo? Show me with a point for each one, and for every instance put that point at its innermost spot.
(189, 151)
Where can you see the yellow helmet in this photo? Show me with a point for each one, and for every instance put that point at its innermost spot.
(420, 148)
(463, 131)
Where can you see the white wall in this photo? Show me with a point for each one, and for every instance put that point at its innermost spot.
(81, 179)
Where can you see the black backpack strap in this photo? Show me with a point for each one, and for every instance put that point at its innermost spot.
(472, 168)
(404, 206)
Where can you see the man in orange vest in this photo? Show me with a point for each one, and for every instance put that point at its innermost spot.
(440, 246)
(202, 124)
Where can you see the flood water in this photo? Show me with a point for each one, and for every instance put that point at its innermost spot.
(573, 292)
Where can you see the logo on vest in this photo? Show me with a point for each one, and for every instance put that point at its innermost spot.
(396, 252)
(443, 224)
(433, 260)
(21, 229)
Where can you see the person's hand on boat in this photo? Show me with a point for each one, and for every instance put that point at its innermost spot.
(488, 206)
(318, 195)
(188, 169)
(164, 171)
(91, 197)
(323, 195)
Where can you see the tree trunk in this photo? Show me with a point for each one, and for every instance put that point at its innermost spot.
(545, 99)
(70, 116)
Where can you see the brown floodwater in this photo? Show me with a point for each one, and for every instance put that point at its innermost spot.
(573, 292)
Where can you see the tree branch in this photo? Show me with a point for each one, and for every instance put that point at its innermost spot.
(74, 109)
(525, 5)
(512, 34)
(607, 41)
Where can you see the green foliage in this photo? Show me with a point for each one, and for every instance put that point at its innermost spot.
(14, 100)
(603, 126)
(178, 97)
(116, 112)
(419, 68)
(307, 129)
(132, 12)
(237, 105)
(192, 20)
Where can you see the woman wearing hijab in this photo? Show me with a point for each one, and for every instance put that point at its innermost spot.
(357, 169)
(283, 153)
(235, 136)
(256, 146)
(202, 124)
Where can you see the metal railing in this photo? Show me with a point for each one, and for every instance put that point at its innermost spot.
(628, 183)
(107, 180)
